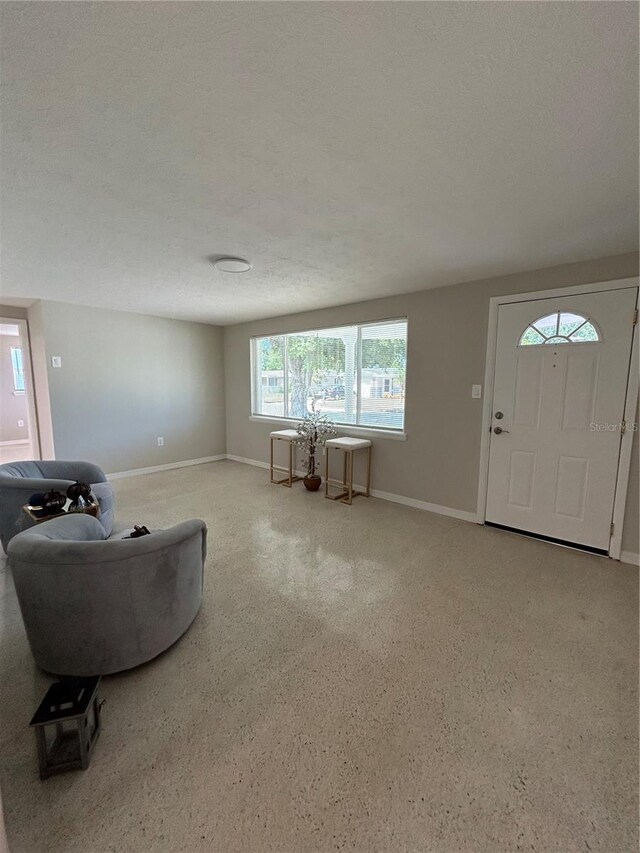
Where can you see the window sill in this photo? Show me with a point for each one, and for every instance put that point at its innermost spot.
(363, 432)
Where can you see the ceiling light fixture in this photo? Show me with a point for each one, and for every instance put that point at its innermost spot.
(232, 265)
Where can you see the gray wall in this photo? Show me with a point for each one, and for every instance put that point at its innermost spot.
(128, 378)
(439, 461)
(13, 407)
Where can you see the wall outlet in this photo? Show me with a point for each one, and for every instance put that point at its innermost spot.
(20, 423)
(56, 361)
(160, 441)
(476, 392)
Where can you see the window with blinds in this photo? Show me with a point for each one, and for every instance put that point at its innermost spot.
(354, 374)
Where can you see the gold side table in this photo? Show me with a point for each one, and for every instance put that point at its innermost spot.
(289, 436)
(348, 446)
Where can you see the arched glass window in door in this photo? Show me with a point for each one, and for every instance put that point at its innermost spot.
(561, 327)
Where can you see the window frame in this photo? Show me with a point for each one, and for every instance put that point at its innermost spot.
(354, 428)
(567, 338)
(18, 370)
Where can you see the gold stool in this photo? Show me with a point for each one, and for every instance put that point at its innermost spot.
(290, 436)
(347, 445)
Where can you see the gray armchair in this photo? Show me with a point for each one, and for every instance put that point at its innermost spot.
(19, 480)
(93, 605)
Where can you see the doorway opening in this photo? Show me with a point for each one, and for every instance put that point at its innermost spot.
(18, 423)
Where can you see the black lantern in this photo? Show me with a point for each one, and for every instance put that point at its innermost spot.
(67, 725)
(80, 496)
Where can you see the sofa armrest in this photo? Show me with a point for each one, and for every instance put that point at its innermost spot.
(29, 485)
(157, 540)
(80, 539)
(86, 472)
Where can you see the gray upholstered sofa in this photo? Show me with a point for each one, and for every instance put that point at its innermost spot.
(94, 605)
(19, 480)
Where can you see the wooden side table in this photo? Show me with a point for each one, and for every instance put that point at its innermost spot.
(28, 512)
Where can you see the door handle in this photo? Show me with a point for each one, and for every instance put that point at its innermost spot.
(498, 430)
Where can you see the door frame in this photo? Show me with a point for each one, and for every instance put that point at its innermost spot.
(631, 401)
(30, 394)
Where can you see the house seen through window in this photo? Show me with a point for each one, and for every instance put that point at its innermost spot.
(354, 374)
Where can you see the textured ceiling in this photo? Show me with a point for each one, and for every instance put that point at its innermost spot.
(348, 150)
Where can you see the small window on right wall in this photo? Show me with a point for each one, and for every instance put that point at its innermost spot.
(561, 327)
(18, 370)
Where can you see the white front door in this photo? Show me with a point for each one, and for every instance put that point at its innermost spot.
(558, 404)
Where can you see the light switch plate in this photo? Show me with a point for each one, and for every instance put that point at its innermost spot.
(56, 361)
(476, 392)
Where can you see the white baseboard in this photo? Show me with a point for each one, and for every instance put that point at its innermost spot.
(385, 496)
(630, 557)
(136, 472)
(245, 461)
(425, 505)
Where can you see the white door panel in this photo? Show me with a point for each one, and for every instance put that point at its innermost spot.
(527, 396)
(580, 382)
(553, 468)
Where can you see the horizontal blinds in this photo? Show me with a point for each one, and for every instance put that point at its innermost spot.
(268, 377)
(383, 360)
(354, 374)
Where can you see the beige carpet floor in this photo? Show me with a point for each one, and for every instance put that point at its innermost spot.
(373, 678)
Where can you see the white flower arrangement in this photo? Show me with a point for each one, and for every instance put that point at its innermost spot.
(314, 429)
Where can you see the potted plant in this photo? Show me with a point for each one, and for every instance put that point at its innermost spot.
(314, 429)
